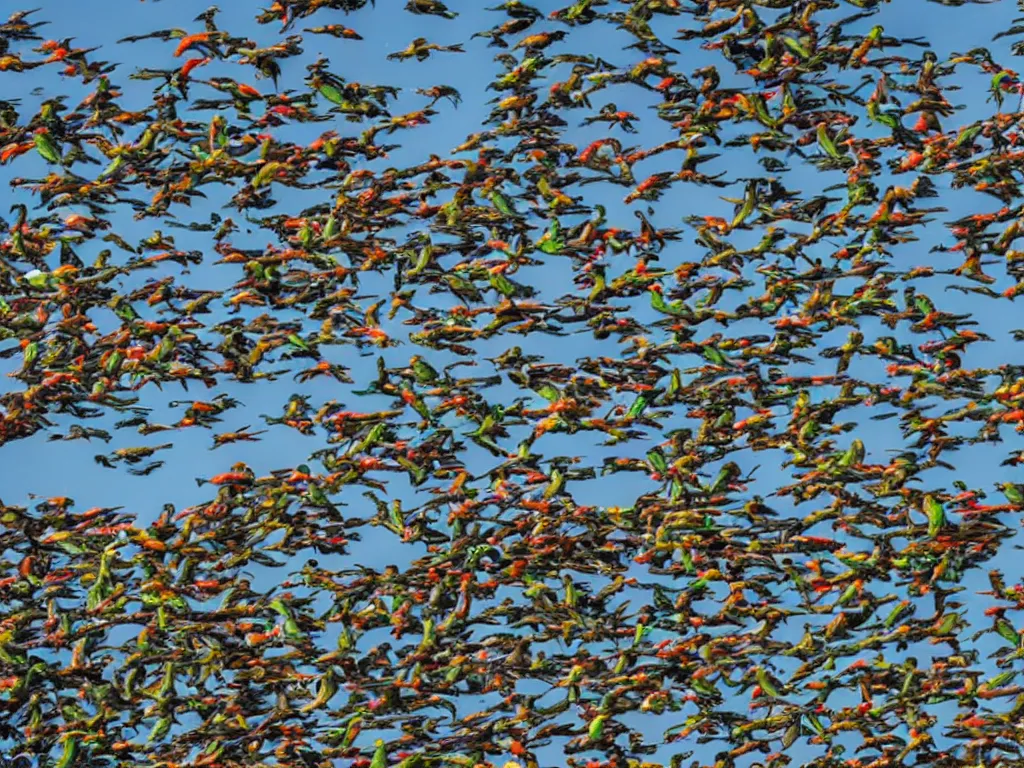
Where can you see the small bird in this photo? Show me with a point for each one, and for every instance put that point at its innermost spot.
(336, 30)
(420, 50)
(430, 8)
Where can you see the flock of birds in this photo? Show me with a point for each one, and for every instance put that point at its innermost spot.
(826, 623)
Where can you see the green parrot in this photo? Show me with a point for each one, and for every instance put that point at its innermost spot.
(423, 371)
(46, 147)
(936, 514)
